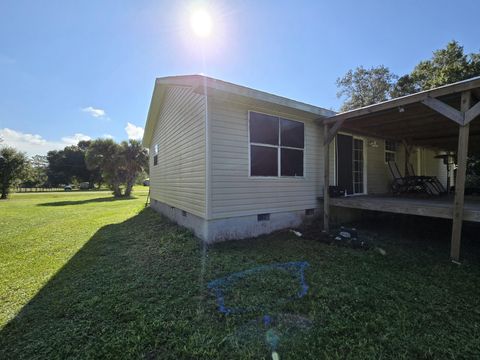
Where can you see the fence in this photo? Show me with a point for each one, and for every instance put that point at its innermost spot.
(37, 189)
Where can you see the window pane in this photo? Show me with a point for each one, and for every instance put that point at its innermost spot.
(292, 162)
(389, 156)
(359, 188)
(357, 177)
(390, 145)
(263, 161)
(292, 133)
(358, 144)
(263, 129)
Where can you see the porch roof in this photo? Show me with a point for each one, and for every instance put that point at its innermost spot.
(428, 118)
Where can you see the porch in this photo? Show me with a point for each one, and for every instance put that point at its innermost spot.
(444, 119)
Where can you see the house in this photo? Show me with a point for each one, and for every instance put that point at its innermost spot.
(230, 162)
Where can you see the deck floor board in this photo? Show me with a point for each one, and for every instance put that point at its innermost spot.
(441, 206)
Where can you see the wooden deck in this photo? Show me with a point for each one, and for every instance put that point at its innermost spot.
(440, 207)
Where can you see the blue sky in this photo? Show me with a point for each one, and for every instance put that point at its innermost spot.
(84, 69)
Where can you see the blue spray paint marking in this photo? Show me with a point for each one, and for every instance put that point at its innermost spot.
(267, 320)
(272, 339)
(220, 285)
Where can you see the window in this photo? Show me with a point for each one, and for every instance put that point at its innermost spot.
(390, 151)
(358, 166)
(155, 155)
(276, 146)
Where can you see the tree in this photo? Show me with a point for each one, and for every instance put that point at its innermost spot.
(12, 166)
(105, 155)
(69, 164)
(56, 171)
(473, 171)
(135, 158)
(446, 66)
(35, 173)
(363, 87)
(95, 176)
(119, 164)
(405, 85)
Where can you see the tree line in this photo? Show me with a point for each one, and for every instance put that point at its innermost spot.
(96, 162)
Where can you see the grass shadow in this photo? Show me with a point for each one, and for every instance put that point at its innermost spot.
(113, 299)
(86, 201)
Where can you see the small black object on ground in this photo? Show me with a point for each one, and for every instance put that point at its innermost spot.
(342, 236)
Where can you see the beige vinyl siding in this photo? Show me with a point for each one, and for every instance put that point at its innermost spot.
(379, 176)
(179, 178)
(233, 192)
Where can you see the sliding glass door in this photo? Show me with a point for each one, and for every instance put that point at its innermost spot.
(350, 164)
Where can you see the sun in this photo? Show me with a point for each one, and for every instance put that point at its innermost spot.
(201, 23)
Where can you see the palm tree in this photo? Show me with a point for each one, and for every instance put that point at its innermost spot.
(105, 155)
(135, 159)
(119, 163)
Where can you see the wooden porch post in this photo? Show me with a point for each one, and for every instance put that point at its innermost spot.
(460, 181)
(326, 180)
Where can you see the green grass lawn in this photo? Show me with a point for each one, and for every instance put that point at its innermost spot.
(85, 276)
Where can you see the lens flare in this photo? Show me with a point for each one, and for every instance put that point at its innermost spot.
(201, 23)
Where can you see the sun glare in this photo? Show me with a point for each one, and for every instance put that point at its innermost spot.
(201, 23)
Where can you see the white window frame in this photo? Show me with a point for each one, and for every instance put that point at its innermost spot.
(278, 147)
(389, 151)
(155, 154)
(364, 170)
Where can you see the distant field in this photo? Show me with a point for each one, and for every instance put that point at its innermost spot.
(86, 276)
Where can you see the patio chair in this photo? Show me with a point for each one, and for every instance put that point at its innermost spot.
(431, 181)
(408, 184)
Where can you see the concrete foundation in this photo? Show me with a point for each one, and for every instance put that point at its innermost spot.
(192, 222)
(233, 228)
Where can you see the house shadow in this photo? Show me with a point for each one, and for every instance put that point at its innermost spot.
(86, 201)
(114, 298)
